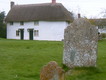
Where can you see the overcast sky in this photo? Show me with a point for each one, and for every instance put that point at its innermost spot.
(87, 8)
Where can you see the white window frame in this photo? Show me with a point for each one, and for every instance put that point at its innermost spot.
(11, 23)
(36, 23)
(36, 33)
(21, 23)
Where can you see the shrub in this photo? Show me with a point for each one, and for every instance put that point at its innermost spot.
(103, 35)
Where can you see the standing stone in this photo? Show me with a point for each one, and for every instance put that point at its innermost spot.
(52, 71)
(80, 44)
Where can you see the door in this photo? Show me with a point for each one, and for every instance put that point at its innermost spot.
(30, 34)
(21, 34)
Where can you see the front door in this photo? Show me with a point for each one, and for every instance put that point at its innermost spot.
(21, 34)
(30, 34)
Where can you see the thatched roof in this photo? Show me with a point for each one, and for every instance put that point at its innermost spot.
(44, 12)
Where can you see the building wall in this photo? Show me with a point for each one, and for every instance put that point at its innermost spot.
(102, 30)
(48, 30)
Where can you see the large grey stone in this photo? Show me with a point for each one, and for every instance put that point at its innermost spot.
(80, 44)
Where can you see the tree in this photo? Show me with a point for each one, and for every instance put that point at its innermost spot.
(101, 23)
(2, 25)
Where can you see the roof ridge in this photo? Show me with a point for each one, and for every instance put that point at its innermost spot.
(39, 4)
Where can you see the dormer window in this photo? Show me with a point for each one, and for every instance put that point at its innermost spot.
(11, 23)
(21, 23)
(36, 23)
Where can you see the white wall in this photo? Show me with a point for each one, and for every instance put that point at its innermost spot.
(48, 30)
(102, 30)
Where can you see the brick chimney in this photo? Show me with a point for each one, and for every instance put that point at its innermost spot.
(79, 16)
(12, 4)
(53, 1)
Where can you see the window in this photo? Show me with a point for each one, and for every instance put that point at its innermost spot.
(11, 23)
(17, 32)
(22, 23)
(36, 23)
(36, 32)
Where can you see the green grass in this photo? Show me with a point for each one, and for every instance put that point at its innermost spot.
(92, 73)
(23, 60)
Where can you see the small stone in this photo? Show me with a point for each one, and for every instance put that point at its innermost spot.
(52, 71)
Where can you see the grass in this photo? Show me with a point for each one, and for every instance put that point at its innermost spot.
(23, 60)
(92, 73)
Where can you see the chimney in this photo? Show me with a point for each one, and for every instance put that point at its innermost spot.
(12, 4)
(53, 1)
(79, 16)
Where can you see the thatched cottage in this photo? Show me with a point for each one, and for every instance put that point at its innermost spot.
(45, 21)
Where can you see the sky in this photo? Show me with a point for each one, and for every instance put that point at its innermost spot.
(87, 8)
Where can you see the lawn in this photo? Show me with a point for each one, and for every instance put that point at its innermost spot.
(23, 60)
(92, 73)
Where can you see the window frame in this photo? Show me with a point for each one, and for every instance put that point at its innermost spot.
(11, 23)
(36, 23)
(36, 33)
(17, 32)
(21, 23)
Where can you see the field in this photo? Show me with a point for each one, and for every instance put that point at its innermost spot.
(23, 60)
